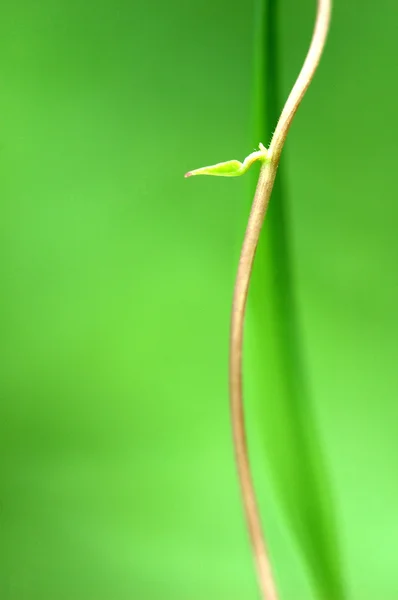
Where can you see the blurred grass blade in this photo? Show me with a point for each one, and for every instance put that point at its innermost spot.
(288, 426)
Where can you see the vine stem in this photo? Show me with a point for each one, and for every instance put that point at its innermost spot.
(256, 219)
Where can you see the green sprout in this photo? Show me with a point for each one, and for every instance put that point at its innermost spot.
(232, 168)
(269, 165)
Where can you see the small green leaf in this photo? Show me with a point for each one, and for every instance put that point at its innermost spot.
(232, 168)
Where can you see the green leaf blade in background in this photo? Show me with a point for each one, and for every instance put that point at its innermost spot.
(344, 259)
(284, 408)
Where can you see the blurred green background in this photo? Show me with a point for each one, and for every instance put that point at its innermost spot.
(117, 473)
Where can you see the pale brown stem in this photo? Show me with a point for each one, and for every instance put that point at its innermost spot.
(254, 226)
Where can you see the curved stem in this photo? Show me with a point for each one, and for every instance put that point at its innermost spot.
(254, 226)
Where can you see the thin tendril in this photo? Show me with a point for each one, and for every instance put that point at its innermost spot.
(255, 223)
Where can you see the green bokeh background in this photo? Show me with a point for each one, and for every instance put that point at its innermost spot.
(117, 478)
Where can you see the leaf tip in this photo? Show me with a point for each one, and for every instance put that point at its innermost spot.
(189, 174)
